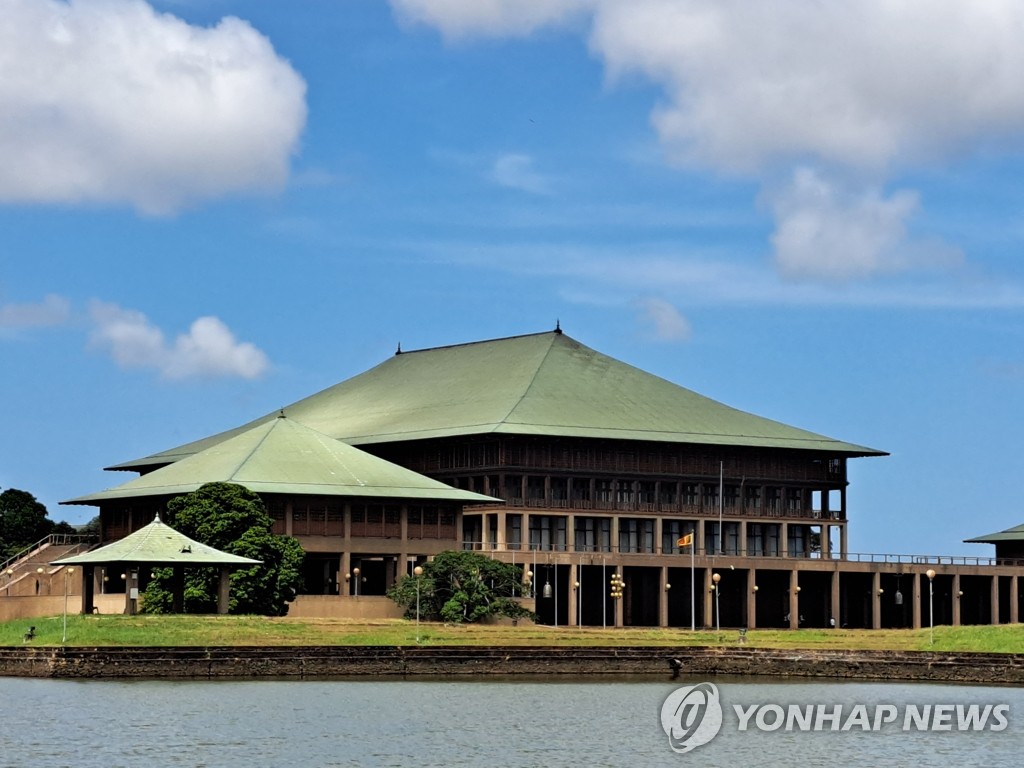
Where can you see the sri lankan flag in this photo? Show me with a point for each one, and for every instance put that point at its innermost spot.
(686, 541)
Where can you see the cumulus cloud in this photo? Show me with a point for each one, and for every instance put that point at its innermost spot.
(105, 101)
(826, 231)
(664, 319)
(863, 88)
(209, 349)
(516, 171)
(53, 310)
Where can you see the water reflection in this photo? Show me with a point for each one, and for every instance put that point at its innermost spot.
(507, 722)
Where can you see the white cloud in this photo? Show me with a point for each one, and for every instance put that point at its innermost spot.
(516, 171)
(863, 88)
(493, 18)
(108, 101)
(209, 349)
(53, 310)
(828, 232)
(667, 322)
(862, 83)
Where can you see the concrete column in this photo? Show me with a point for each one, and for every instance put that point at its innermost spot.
(709, 600)
(751, 598)
(570, 533)
(698, 536)
(826, 541)
(995, 600)
(794, 599)
(844, 547)
(346, 570)
(876, 600)
(743, 537)
(224, 590)
(658, 528)
(1014, 601)
(502, 522)
(288, 528)
(784, 539)
(615, 536)
(663, 597)
(834, 608)
(573, 595)
(919, 580)
(956, 599)
(91, 576)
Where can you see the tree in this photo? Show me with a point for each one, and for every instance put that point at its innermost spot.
(459, 587)
(23, 521)
(233, 519)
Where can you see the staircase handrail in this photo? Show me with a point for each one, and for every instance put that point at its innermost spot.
(53, 539)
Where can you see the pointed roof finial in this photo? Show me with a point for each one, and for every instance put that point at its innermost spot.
(558, 326)
(156, 519)
(399, 350)
(280, 414)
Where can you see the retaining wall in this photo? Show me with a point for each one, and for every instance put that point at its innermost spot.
(328, 661)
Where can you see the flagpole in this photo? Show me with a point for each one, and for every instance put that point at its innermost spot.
(693, 585)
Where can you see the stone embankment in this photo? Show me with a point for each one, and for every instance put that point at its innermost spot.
(328, 661)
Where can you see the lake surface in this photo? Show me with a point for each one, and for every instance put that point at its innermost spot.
(506, 722)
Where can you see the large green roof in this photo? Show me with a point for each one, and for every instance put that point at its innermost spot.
(157, 544)
(539, 384)
(283, 456)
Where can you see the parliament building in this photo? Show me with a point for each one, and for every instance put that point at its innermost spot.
(627, 499)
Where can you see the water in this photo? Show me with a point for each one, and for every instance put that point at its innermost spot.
(504, 723)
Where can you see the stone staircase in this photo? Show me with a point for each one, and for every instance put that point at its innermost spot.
(29, 573)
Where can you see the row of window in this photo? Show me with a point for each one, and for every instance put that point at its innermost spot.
(661, 459)
(594, 534)
(582, 492)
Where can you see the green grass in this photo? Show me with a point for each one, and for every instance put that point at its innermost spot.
(89, 631)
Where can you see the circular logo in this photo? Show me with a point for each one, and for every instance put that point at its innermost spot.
(691, 716)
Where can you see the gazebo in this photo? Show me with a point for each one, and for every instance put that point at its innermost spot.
(156, 545)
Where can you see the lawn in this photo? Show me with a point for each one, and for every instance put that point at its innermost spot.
(91, 631)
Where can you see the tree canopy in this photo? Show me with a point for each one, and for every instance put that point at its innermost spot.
(233, 519)
(459, 587)
(24, 521)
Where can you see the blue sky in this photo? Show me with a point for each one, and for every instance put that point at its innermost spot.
(811, 212)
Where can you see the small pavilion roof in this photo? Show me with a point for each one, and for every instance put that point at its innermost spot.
(283, 456)
(1010, 534)
(157, 544)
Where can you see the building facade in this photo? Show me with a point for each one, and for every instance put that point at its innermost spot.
(589, 473)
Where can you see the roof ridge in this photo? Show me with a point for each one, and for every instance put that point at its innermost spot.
(140, 540)
(557, 332)
(252, 452)
(533, 379)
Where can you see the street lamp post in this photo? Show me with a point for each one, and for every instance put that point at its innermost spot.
(617, 586)
(67, 575)
(930, 573)
(715, 577)
(417, 572)
(355, 574)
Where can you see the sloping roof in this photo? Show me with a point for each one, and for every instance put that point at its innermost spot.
(539, 384)
(283, 456)
(1010, 534)
(157, 544)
